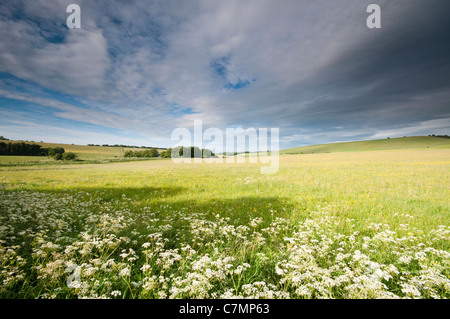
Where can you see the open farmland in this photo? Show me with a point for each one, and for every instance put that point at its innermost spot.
(372, 224)
(84, 152)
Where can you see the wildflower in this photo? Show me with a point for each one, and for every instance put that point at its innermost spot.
(279, 271)
(146, 267)
(410, 290)
(125, 272)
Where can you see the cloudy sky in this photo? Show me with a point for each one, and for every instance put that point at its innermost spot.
(136, 70)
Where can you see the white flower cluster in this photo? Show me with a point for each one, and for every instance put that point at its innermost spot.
(79, 245)
(322, 263)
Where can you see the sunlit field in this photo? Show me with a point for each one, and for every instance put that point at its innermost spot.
(340, 225)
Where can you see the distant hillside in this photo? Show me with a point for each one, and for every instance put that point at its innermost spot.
(412, 142)
(83, 151)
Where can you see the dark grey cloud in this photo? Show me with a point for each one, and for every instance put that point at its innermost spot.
(385, 72)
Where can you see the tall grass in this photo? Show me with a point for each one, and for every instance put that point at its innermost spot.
(344, 225)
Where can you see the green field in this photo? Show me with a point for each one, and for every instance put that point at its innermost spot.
(402, 143)
(83, 152)
(372, 224)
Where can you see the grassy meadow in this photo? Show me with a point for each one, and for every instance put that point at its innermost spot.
(372, 224)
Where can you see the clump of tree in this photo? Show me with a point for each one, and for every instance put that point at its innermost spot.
(53, 151)
(167, 153)
(23, 149)
(145, 154)
(69, 156)
(191, 152)
(59, 154)
(123, 145)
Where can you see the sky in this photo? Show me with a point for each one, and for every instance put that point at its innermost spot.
(137, 70)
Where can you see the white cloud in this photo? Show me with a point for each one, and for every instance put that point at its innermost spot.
(28, 130)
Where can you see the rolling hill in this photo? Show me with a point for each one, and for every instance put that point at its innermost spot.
(401, 143)
(85, 151)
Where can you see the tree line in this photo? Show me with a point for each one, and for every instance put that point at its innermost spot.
(122, 145)
(191, 152)
(20, 149)
(179, 151)
(25, 149)
(146, 153)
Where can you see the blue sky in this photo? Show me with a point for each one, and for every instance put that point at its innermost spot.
(136, 70)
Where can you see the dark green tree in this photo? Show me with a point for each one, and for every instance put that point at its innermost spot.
(69, 156)
(167, 153)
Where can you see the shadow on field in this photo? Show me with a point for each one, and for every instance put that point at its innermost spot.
(158, 206)
(112, 193)
(240, 210)
(166, 201)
